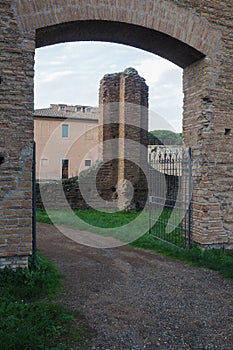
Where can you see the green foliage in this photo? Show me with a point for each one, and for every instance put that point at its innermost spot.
(165, 137)
(28, 317)
(175, 236)
(97, 219)
(220, 260)
(106, 220)
(33, 326)
(30, 284)
(42, 216)
(153, 140)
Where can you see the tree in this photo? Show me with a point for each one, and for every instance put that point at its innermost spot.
(165, 137)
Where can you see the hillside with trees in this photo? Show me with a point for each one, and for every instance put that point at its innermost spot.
(165, 137)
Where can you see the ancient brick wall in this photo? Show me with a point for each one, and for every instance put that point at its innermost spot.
(208, 127)
(16, 129)
(196, 35)
(54, 192)
(123, 99)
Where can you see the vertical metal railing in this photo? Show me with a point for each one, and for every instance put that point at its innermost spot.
(190, 197)
(34, 204)
(170, 193)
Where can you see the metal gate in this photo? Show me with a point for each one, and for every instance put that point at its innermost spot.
(170, 174)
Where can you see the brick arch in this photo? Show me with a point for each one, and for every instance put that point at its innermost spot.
(172, 28)
(175, 33)
(160, 44)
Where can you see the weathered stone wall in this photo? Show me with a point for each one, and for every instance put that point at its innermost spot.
(16, 129)
(208, 128)
(54, 192)
(123, 99)
(55, 195)
(109, 128)
(196, 35)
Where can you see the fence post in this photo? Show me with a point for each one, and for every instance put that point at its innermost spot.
(34, 205)
(189, 195)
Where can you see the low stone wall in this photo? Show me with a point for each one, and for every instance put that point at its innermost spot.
(14, 262)
(105, 193)
(54, 193)
(55, 198)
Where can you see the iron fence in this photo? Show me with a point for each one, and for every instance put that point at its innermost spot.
(170, 174)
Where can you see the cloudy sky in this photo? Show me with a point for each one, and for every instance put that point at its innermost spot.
(70, 73)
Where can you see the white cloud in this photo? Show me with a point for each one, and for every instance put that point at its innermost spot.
(165, 92)
(55, 63)
(153, 68)
(70, 73)
(55, 76)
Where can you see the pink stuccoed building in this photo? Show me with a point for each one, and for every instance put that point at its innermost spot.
(66, 140)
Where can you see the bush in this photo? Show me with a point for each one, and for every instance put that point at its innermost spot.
(29, 319)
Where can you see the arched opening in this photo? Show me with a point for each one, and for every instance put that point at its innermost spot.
(158, 43)
(174, 50)
(153, 41)
(187, 35)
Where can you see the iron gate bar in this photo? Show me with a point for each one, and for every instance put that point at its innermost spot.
(190, 197)
(171, 166)
(34, 205)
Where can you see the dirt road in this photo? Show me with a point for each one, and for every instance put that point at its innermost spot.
(137, 300)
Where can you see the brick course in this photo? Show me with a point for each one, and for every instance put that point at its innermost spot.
(197, 35)
(123, 98)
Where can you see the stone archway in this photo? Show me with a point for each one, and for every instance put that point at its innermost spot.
(195, 36)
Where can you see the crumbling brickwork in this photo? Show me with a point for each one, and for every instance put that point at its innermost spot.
(16, 128)
(208, 128)
(196, 35)
(123, 99)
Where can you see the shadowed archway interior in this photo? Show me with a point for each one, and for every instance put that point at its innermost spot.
(147, 39)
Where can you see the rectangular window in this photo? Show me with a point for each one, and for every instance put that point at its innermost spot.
(87, 162)
(79, 109)
(65, 168)
(62, 108)
(65, 130)
(88, 110)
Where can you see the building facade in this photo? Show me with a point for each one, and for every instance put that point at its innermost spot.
(66, 140)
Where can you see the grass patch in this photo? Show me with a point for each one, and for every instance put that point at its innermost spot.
(29, 318)
(30, 284)
(90, 216)
(172, 219)
(220, 260)
(119, 225)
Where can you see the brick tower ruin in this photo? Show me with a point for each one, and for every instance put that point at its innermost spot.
(195, 35)
(123, 137)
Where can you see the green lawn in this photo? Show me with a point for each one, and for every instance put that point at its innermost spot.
(29, 318)
(216, 259)
(123, 226)
(93, 217)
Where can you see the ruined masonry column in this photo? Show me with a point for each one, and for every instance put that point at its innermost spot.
(108, 132)
(133, 126)
(123, 99)
(16, 140)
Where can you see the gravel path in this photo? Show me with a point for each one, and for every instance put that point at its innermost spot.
(137, 300)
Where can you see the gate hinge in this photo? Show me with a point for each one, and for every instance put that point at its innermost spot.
(150, 199)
